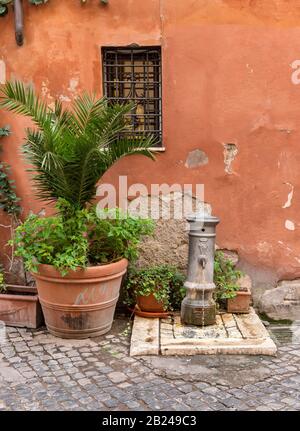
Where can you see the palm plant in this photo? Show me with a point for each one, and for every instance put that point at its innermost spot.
(71, 149)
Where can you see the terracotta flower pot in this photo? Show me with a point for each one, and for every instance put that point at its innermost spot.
(148, 306)
(241, 303)
(20, 306)
(82, 303)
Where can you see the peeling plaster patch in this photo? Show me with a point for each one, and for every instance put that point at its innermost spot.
(46, 92)
(295, 75)
(73, 84)
(64, 98)
(286, 247)
(288, 251)
(2, 72)
(249, 68)
(230, 153)
(289, 225)
(195, 159)
(284, 129)
(262, 121)
(289, 197)
(51, 106)
(264, 247)
(44, 89)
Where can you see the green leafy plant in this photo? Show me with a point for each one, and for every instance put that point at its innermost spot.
(164, 282)
(80, 239)
(4, 131)
(5, 3)
(9, 202)
(2, 282)
(226, 277)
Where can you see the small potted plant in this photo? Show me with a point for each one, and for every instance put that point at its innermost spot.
(19, 305)
(241, 302)
(154, 291)
(232, 286)
(79, 255)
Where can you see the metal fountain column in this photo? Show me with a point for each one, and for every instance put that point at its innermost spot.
(198, 307)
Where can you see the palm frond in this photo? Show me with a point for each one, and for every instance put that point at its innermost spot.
(72, 149)
(14, 96)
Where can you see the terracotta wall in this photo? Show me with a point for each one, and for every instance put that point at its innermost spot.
(226, 80)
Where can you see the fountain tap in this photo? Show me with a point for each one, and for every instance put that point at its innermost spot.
(202, 261)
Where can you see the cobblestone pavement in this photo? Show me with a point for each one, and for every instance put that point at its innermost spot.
(41, 372)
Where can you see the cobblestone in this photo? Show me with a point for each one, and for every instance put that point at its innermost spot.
(41, 372)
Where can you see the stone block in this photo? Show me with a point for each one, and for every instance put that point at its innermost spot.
(282, 302)
(232, 335)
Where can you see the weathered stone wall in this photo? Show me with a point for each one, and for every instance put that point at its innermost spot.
(169, 243)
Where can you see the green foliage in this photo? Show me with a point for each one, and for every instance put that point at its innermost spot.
(4, 7)
(78, 238)
(225, 277)
(5, 3)
(9, 202)
(38, 2)
(2, 282)
(114, 235)
(70, 150)
(4, 131)
(164, 282)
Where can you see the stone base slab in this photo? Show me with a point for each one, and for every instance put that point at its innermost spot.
(233, 334)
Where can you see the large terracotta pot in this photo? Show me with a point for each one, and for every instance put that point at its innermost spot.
(82, 303)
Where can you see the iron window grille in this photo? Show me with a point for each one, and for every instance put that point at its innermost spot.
(134, 74)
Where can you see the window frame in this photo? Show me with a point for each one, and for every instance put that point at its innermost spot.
(156, 83)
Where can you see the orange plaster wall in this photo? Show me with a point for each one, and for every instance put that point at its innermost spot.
(226, 79)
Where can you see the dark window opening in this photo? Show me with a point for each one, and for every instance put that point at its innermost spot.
(134, 74)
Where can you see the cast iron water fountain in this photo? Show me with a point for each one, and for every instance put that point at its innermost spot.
(200, 330)
(198, 307)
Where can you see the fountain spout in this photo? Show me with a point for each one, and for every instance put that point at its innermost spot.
(202, 261)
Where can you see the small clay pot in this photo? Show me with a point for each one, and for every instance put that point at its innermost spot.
(241, 302)
(148, 306)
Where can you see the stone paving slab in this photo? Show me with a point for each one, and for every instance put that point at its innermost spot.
(148, 335)
(232, 334)
(44, 373)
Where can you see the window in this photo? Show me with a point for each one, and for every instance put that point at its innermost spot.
(134, 74)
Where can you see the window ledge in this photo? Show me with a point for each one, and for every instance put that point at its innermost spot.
(158, 149)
